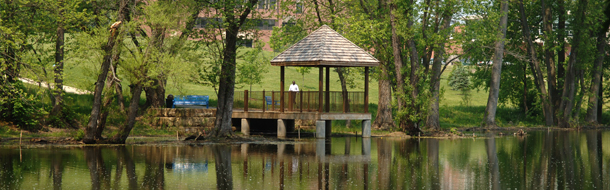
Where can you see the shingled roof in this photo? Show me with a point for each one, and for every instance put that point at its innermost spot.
(325, 47)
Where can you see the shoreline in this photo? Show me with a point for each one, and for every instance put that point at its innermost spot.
(35, 141)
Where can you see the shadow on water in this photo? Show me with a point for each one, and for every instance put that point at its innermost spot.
(540, 160)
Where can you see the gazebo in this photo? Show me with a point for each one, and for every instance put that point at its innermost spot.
(323, 48)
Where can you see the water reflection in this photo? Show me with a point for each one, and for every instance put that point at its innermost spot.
(542, 160)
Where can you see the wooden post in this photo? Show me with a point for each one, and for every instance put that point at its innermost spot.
(366, 89)
(320, 103)
(344, 98)
(245, 100)
(327, 89)
(301, 99)
(264, 101)
(272, 100)
(308, 100)
(282, 89)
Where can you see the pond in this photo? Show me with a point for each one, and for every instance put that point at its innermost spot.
(541, 160)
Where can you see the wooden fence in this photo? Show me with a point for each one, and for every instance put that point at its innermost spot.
(303, 101)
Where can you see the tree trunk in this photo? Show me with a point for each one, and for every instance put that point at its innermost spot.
(433, 120)
(99, 85)
(493, 163)
(592, 115)
(549, 57)
(224, 174)
(384, 119)
(569, 88)
(342, 72)
(155, 93)
(111, 81)
(227, 86)
(398, 63)
(59, 66)
(547, 106)
(583, 89)
(494, 89)
(226, 89)
(125, 129)
(561, 57)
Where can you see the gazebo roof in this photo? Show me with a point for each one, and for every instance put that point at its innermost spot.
(325, 47)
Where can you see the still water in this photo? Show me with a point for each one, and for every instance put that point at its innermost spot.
(542, 160)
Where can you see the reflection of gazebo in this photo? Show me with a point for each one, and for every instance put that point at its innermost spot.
(324, 48)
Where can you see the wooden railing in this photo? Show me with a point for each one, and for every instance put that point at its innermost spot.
(303, 101)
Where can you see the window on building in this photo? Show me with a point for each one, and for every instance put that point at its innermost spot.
(267, 4)
(263, 24)
(202, 22)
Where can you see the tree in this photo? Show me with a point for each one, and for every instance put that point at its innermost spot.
(459, 80)
(539, 78)
(303, 71)
(253, 68)
(494, 89)
(91, 128)
(232, 16)
(433, 120)
(594, 97)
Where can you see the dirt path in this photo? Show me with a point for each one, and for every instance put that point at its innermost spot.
(67, 89)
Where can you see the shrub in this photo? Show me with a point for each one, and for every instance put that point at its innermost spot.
(20, 107)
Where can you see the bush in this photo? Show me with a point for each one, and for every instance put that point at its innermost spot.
(68, 118)
(20, 107)
(78, 135)
(459, 80)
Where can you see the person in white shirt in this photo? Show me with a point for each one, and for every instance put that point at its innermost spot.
(293, 89)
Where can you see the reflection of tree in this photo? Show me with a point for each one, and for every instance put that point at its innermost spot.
(594, 146)
(124, 158)
(384, 158)
(100, 177)
(154, 174)
(57, 168)
(224, 176)
(433, 166)
(492, 158)
(8, 177)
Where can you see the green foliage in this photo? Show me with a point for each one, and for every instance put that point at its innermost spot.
(459, 80)
(78, 135)
(303, 71)
(20, 107)
(67, 118)
(254, 66)
(287, 35)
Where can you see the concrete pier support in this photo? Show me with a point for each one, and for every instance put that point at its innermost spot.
(280, 151)
(366, 146)
(281, 128)
(320, 129)
(244, 150)
(245, 127)
(366, 128)
(321, 148)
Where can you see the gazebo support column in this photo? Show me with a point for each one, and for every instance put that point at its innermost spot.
(282, 89)
(281, 128)
(366, 90)
(320, 89)
(327, 101)
(245, 127)
(320, 129)
(366, 128)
